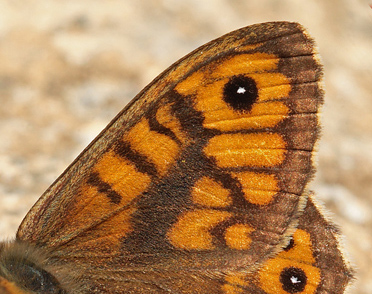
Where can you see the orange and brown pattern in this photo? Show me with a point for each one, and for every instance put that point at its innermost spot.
(201, 176)
(310, 263)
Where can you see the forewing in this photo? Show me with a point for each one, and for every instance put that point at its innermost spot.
(203, 172)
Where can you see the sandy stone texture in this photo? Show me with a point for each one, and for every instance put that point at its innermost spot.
(67, 67)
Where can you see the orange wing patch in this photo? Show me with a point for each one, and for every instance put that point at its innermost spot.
(208, 192)
(236, 150)
(192, 230)
(120, 174)
(258, 188)
(158, 148)
(237, 236)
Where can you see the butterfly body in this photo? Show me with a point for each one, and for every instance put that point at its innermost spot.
(195, 187)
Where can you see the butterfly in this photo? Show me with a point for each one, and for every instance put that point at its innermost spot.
(199, 185)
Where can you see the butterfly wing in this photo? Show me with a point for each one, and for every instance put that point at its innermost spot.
(313, 262)
(202, 172)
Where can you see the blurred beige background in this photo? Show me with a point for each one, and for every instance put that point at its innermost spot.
(67, 67)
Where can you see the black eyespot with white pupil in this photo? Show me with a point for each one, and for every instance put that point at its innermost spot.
(293, 279)
(240, 92)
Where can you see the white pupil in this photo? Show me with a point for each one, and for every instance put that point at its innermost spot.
(241, 90)
(295, 280)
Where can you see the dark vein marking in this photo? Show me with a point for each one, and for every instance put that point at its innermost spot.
(140, 161)
(159, 128)
(103, 187)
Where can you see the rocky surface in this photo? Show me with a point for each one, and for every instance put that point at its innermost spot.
(67, 67)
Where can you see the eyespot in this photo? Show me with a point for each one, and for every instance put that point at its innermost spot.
(240, 92)
(293, 279)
